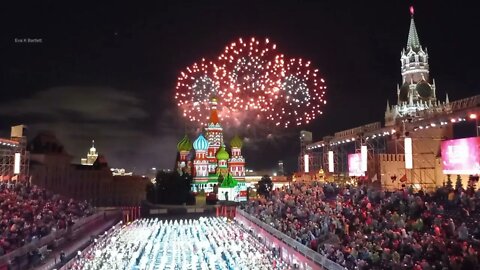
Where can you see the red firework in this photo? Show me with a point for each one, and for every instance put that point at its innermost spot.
(249, 76)
(252, 82)
(299, 96)
(196, 85)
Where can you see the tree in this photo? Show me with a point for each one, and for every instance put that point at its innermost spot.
(170, 188)
(449, 182)
(220, 179)
(150, 189)
(265, 186)
(458, 183)
(472, 182)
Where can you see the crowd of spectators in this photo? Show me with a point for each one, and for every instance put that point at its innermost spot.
(366, 228)
(28, 213)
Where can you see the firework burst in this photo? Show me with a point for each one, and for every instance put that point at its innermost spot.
(196, 85)
(253, 83)
(248, 64)
(299, 96)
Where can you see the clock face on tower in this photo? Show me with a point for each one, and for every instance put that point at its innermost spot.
(424, 90)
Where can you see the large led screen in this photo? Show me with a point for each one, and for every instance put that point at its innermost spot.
(355, 165)
(306, 163)
(408, 153)
(461, 156)
(330, 162)
(16, 167)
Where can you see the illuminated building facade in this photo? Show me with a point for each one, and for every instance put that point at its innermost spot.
(52, 168)
(416, 93)
(406, 150)
(309, 162)
(14, 156)
(92, 155)
(210, 160)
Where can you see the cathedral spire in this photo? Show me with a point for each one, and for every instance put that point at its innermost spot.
(92, 155)
(213, 111)
(413, 41)
(93, 149)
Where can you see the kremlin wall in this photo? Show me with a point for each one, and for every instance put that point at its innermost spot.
(44, 162)
(407, 149)
(51, 167)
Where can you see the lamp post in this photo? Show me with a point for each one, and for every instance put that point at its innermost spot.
(474, 116)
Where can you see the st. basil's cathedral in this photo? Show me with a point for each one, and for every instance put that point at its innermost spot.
(210, 163)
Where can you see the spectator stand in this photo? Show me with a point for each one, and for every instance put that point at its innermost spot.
(294, 247)
(69, 261)
(367, 228)
(11, 260)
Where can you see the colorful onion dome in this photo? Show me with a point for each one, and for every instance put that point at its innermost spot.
(184, 144)
(222, 154)
(200, 144)
(236, 142)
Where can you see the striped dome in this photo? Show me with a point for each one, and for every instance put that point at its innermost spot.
(200, 143)
(222, 154)
(184, 144)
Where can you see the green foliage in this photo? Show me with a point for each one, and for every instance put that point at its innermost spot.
(150, 190)
(170, 188)
(229, 182)
(449, 182)
(220, 179)
(471, 184)
(265, 186)
(458, 183)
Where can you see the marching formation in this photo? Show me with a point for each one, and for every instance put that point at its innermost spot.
(205, 243)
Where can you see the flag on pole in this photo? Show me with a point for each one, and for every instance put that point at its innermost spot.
(404, 178)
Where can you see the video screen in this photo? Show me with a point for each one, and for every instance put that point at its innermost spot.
(461, 156)
(355, 165)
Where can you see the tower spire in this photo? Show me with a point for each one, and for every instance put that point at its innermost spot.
(415, 93)
(93, 150)
(413, 41)
(213, 111)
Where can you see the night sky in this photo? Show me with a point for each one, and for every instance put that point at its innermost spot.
(107, 71)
